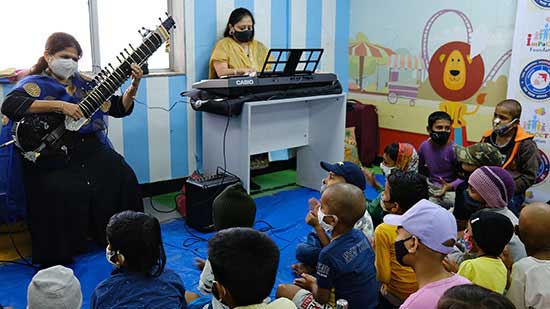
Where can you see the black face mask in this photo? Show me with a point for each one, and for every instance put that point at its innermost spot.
(440, 137)
(401, 251)
(470, 204)
(243, 36)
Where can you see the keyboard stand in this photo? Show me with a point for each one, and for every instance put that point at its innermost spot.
(314, 125)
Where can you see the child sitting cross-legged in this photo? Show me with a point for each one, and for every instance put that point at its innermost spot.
(402, 191)
(345, 269)
(307, 253)
(140, 279)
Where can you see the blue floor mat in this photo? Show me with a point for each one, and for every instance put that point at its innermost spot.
(281, 214)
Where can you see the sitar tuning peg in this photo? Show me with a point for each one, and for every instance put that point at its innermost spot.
(131, 47)
(160, 19)
(117, 58)
(166, 13)
(111, 66)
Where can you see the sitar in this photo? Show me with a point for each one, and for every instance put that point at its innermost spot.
(38, 133)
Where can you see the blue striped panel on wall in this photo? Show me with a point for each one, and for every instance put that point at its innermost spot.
(135, 133)
(342, 40)
(248, 4)
(314, 23)
(205, 39)
(178, 127)
(279, 24)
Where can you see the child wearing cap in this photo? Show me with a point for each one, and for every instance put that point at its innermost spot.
(402, 191)
(345, 269)
(489, 232)
(437, 160)
(54, 287)
(471, 158)
(529, 280)
(233, 207)
(426, 234)
(492, 188)
(307, 253)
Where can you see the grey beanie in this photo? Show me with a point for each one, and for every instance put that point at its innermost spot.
(54, 287)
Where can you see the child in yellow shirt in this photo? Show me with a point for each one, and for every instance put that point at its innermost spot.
(401, 192)
(489, 233)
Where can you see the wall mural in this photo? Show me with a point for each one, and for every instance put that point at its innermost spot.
(411, 61)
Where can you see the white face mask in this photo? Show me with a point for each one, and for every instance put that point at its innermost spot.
(321, 216)
(63, 68)
(323, 188)
(385, 169)
(109, 254)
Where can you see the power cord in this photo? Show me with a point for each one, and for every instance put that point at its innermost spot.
(160, 210)
(158, 107)
(224, 169)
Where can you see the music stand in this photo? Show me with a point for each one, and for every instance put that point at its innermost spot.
(291, 61)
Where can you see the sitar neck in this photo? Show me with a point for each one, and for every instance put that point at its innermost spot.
(110, 79)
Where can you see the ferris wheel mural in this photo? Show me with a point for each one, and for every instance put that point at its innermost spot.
(456, 75)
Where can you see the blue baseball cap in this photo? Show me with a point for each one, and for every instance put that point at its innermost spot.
(350, 171)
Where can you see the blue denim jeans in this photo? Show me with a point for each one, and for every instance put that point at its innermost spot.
(308, 252)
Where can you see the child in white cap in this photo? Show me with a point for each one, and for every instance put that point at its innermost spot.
(54, 287)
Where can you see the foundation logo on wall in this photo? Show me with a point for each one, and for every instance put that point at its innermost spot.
(544, 168)
(536, 126)
(539, 40)
(545, 4)
(534, 79)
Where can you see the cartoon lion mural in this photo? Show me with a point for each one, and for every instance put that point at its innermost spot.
(456, 77)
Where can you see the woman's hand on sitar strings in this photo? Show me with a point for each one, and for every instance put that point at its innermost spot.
(71, 110)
